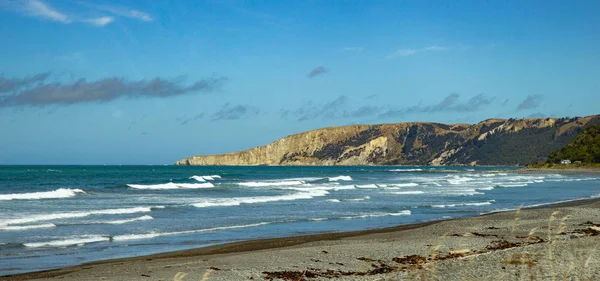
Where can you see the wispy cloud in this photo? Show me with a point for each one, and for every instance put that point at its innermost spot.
(121, 11)
(36, 8)
(185, 120)
(449, 104)
(42, 10)
(12, 84)
(34, 91)
(101, 21)
(317, 71)
(531, 102)
(234, 112)
(410, 52)
(310, 111)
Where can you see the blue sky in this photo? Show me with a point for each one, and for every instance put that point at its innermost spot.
(150, 82)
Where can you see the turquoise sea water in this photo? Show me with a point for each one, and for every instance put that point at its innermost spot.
(55, 216)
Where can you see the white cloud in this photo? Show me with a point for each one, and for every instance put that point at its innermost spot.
(101, 21)
(435, 48)
(40, 9)
(410, 52)
(121, 11)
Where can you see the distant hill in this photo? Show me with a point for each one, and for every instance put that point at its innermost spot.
(585, 148)
(490, 142)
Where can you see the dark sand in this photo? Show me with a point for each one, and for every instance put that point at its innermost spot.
(530, 244)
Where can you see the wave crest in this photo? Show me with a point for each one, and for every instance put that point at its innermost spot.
(59, 193)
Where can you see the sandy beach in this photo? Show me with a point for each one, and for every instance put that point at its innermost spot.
(555, 242)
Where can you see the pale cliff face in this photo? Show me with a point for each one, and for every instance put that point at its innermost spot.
(405, 143)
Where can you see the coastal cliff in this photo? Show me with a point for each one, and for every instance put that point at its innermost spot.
(490, 142)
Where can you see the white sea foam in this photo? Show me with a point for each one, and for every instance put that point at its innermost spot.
(485, 188)
(367, 186)
(236, 201)
(26, 227)
(309, 187)
(406, 170)
(410, 184)
(195, 185)
(465, 204)
(456, 180)
(71, 215)
(270, 183)
(513, 185)
(340, 178)
(360, 199)
(142, 218)
(159, 234)
(205, 178)
(375, 215)
(171, 185)
(407, 192)
(77, 240)
(401, 213)
(305, 179)
(333, 200)
(59, 193)
(198, 178)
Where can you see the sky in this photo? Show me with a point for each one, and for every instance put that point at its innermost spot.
(151, 82)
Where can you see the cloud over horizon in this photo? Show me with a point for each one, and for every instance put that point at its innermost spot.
(234, 112)
(531, 102)
(338, 108)
(35, 91)
(449, 104)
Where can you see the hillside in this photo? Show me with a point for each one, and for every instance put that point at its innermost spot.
(490, 142)
(585, 148)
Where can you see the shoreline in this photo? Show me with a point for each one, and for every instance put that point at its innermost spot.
(244, 248)
(568, 171)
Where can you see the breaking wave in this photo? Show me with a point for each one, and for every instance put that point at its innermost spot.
(205, 178)
(340, 178)
(406, 170)
(270, 183)
(236, 201)
(26, 227)
(375, 215)
(171, 185)
(408, 192)
(464, 204)
(367, 186)
(77, 240)
(57, 216)
(142, 218)
(59, 193)
(127, 237)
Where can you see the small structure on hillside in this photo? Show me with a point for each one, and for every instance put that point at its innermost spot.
(565, 161)
(577, 162)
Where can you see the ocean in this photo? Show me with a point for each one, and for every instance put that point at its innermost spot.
(56, 216)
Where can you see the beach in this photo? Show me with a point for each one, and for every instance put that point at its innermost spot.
(529, 244)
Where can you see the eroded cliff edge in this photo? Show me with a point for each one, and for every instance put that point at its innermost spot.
(490, 142)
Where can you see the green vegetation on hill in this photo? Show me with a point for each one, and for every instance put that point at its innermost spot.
(585, 148)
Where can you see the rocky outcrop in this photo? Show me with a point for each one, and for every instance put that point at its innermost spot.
(490, 142)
